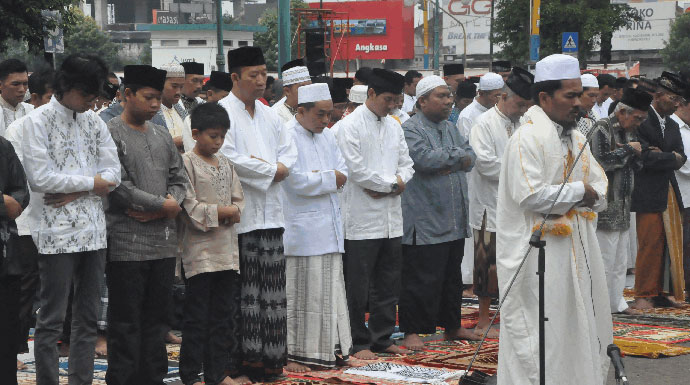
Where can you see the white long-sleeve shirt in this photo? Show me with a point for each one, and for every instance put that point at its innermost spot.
(313, 224)
(65, 151)
(683, 174)
(468, 116)
(375, 151)
(9, 114)
(488, 139)
(13, 134)
(255, 145)
(408, 103)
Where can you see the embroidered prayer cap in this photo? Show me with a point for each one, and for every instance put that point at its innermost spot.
(145, 76)
(358, 93)
(637, 99)
(292, 64)
(520, 81)
(466, 89)
(193, 68)
(453, 69)
(220, 80)
(247, 56)
(428, 84)
(387, 81)
(620, 82)
(313, 93)
(589, 81)
(363, 74)
(557, 67)
(672, 82)
(294, 75)
(491, 81)
(606, 80)
(501, 66)
(173, 70)
(339, 89)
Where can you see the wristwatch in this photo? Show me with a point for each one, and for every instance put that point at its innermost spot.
(394, 187)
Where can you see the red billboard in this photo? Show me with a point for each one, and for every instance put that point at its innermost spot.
(377, 29)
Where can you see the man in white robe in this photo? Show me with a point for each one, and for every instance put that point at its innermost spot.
(293, 79)
(579, 326)
(318, 325)
(14, 81)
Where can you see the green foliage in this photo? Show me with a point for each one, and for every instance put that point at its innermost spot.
(84, 36)
(22, 21)
(594, 20)
(268, 41)
(676, 54)
(145, 56)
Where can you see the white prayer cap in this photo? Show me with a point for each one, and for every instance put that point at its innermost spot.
(358, 93)
(313, 93)
(428, 84)
(557, 67)
(491, 81)
(173, 70)
(589, 81)
(294, 75)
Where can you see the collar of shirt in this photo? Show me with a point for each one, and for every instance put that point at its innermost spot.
(369, 114)
(509, 124)
(293, 111)
(61, 108)
(662, 121)
(237, 103)
(7, 106)
(680, 122)
(428, 123)
(479, 106)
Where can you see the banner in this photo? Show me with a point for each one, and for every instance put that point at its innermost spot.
(651, 32)
(476, 18)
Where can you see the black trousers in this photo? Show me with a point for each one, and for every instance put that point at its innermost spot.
(372, 271)
(432, 287)
(25, 251)
(9, 327)
(207, 309)
(140, 296)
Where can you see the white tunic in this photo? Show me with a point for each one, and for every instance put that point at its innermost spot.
(467, 117)
(313, 225)
(602, 110)
(9, 114)
(488, 139)
(67, 150)
(579, 328)
(408, 103)
(375, 151)
(282, 111)
(264, 137)
(683, 174)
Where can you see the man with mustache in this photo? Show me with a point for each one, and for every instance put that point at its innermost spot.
(534, 165)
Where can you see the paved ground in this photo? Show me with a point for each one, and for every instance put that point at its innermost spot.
(660, 371)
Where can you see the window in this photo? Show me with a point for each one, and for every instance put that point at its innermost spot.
(196, 42)
(227, 43)
(169, 43)
(242, 43)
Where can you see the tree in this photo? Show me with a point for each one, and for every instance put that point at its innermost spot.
(84, 36)
(268, 41)
(676, 53)
(22, 21)
(594, 20)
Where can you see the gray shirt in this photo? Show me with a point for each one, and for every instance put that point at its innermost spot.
(151, 169)
(434, 205)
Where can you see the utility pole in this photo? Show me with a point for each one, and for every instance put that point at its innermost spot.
(284, 46)
(491, 38)
(437, 44)
(220, 57)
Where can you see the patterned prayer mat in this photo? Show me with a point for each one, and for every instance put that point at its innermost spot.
(650, 349)
(456, 355)
(649, 333)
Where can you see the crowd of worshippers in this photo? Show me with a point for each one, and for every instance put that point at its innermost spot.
(294, 233)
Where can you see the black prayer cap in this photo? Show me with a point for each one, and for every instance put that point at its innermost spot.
(339, 89)
(606, 80)
(466, 89)
(520, 81)
(621, 82)
(245, 57)
(386, 81)
(220, 80)
(475, 79)
(636, 99)
(144, 75)
(292, 64)
(673, 83)
(109, 90)
(363, 74)
(193, 68)
(453, 69)
(501, 66)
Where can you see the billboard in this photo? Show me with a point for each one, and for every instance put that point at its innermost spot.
(476, 18)
(651, 32)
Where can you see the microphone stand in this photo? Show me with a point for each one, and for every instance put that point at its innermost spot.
(534, 241)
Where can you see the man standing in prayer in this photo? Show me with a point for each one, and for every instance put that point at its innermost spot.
(171, 111)
(501, 67)
(534, 165)
(607, 84)
(72, 164)
(490, 88)
(142, 234)
(616, 146)
(379, 165)
(412, 77)
(682, 117)
(453, 74)
(434, 219)
(263, 153)
(318, 330)
(193, 82)
(299, 62)
(218, 86)
(14, 81)
(464, 96)
(341, 87)
(656, 198)
(293, 79)
(590, 92)
(488, 139)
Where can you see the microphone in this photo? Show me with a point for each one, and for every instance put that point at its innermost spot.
(615, 354)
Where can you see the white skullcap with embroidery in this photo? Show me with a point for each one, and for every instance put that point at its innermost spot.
(427, 84)
(589, 80)
(358, 94)
(173, 70)
(491, 81)
(295, 75)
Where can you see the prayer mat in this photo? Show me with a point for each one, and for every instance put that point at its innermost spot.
(457, 355)
(650, 349)
(649, 333)
(405, 373)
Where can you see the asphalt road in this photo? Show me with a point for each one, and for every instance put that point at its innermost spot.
(660, 371)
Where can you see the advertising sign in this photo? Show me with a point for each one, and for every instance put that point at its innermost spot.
(476, 18)
(55, 41)
(649, 33)
(358, 27)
